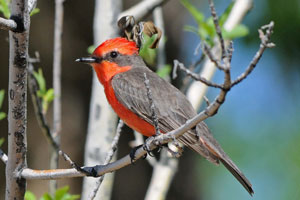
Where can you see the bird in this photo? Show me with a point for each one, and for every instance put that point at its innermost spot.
(120, 69)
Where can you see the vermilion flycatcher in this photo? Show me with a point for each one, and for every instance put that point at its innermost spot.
(121, 70)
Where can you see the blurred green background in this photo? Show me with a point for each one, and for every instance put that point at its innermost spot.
(258, 126)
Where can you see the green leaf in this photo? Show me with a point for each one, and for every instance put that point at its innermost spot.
(198, 16)
(191, 29)
(148, 54)
(49, 96)
(239, 31)
(41, 81)
(91, 49)
(2, 93)
(61, 192)
(4, 8)
(1, 141)
(34, 11)
(164, 71)
(46, 196)
(225, 15)
(2, 115)
(29, 196)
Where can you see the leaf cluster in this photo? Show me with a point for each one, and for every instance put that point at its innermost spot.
(206, 28)
(60, 194)
(46, 95)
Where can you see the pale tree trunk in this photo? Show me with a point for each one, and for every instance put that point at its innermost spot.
(102, 119)
(17, 111)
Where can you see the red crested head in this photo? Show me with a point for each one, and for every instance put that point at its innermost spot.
(121, 45)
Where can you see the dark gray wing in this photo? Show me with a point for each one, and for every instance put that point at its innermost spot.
(172, 107)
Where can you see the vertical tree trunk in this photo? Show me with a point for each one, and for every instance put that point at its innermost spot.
(102, 120)
(17, 111)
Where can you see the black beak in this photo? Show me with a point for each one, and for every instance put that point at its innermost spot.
(88, 60)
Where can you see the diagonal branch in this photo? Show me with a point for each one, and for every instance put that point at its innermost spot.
(195, 76)
(265, 38)
(37, 105)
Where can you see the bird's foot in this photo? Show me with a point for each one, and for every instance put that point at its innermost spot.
(132, 153)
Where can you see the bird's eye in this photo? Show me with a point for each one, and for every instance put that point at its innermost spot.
(113, 54)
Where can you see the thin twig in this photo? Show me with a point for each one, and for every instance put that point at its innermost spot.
(194, 75)
(73, 164)
(196, 90)
(108, 158)
(265, 43)
(217, 26)
(152, 105)
(211, 57)
(33, 88)
(3, 156)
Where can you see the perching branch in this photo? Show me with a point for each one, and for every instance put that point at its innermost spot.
(109, 156)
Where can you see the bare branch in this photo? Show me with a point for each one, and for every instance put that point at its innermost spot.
(8, 24)
(194, 75)
(212, 58)
(265, 43)
(108, 158)
(37, 105)
(217, 26)
(141, 9)
(140, 140)
(152, 105)
(57, 52)
(73, 164)
(3, 156)
(197, 90)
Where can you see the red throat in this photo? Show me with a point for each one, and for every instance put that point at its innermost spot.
(106, 70)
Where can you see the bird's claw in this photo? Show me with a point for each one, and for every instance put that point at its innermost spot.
(132, 153)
